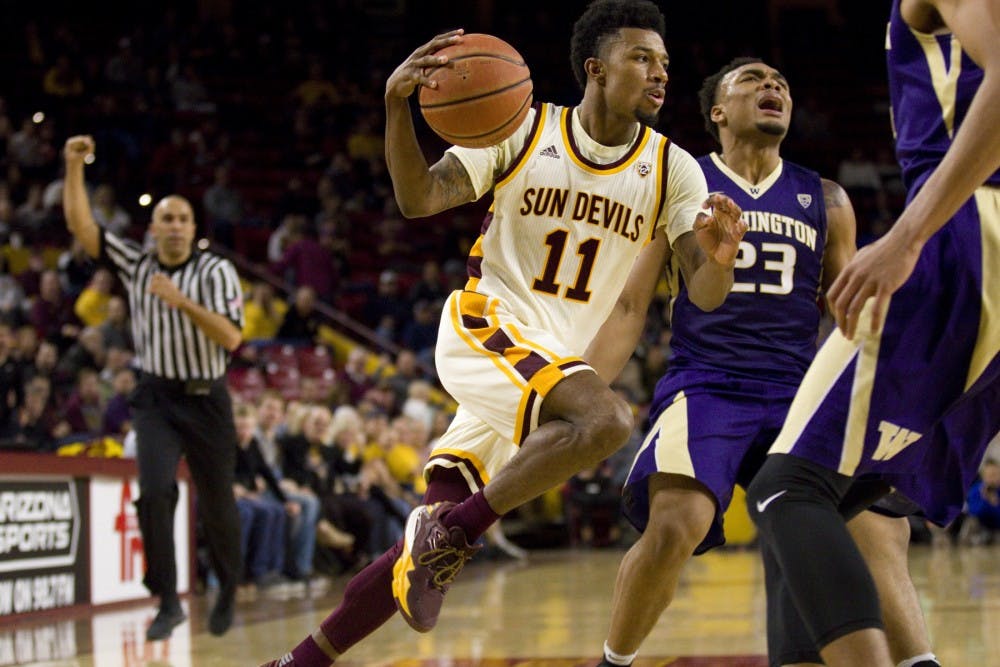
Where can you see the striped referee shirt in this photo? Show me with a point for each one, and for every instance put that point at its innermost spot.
(167, 342)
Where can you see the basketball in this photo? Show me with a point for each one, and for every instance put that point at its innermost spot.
(483, 92)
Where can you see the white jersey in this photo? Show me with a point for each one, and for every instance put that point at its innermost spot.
(570, 216)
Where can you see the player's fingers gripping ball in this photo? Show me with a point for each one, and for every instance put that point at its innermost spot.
(483, 92)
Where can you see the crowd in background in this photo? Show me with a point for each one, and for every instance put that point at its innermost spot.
(269, 121)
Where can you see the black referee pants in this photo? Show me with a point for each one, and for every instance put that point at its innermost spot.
(172, 418)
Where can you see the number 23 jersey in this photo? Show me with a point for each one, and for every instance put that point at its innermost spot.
(569, 218)
(767, 326)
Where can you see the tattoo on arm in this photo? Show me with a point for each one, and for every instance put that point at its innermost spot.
(834, 195)
(451, 182)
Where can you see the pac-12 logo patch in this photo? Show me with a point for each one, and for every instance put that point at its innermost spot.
(805, 200)
(643, 168)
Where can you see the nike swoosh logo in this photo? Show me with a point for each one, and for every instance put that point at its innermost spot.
(762, 504)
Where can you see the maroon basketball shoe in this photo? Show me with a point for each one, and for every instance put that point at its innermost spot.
(432, 557)
(284, 661)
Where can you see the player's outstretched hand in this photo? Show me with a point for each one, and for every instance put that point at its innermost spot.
(78, 148)
(411, 73)
(720, 231)
(878, 270)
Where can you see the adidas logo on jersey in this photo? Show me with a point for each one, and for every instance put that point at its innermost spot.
(550, 152)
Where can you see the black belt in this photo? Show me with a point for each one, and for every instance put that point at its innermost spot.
(196, 387)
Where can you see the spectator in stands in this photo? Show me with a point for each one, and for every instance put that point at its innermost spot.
(87, 351)
(263, 507)
(811, 122)
(263, 313)
(189, 93)
(316, 91)
(388, 311)
(11, 374)
(296, 200)
(115, 359)
(52, 312)
(420, 333)
(170, 165)
(31, 218)
(271, 425)
(91, 307)
(7, 217)
(124, 69)
(62, 80)
(591, 503)
(84, 409)
(75, 269)
(313, 460)
(11, 295)
(34, 425)
(301, 323)
(116, 329)
(281, 237)
(406, 371)
(393, 239)
(983, 500)
(223, 207)
(302, 529)
(107, 212)
(31, 277)
(858, 174)
(417, 405)
(44, 360)
(365, 141)
(430, 287)
(353, 377)
(28, 150)
(308, 263)
(313, 391)
(117, 413)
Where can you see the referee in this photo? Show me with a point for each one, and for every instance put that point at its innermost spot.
(187, 312)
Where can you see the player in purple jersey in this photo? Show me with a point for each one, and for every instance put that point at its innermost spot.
(734, 370)
(905, 393)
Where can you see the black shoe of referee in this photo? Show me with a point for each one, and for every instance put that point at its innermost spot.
(169, 617)
(222, 613)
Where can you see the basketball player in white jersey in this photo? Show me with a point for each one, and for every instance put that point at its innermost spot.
(578, 194)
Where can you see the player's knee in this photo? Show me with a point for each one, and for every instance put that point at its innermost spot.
(611, 427)
(765, 489)
(672, 537)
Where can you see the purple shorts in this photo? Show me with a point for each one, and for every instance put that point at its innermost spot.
(917, 404)
(710, 426)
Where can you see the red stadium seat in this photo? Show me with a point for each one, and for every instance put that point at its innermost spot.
(314, 361)
(285, 378)
(281, 354)
(247, 383)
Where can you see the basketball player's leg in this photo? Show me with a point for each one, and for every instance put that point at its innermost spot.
(680, 515)
(525, 385)
(582, 422)
(884, 543)
(368, 602)
(794, 503)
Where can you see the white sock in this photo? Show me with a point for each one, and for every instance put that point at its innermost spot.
(909, 662)
(617, 658)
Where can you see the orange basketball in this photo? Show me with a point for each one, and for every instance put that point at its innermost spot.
(483, 92)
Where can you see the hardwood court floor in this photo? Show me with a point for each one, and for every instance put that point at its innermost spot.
(551, 611)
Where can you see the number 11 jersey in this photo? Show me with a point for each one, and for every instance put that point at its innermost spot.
(570, 216)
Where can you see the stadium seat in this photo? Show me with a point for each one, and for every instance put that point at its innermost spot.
(314, 361)
(246, 383)
(285, 378)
